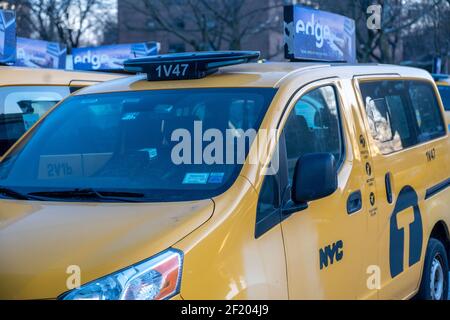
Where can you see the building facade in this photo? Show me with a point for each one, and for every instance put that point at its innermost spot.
(181, 26)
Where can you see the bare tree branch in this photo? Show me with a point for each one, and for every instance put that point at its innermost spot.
(66, 21)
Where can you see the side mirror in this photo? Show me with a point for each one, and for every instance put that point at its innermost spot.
(315, 177)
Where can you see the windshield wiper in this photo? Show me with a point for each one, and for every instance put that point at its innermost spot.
(91, 194)
(11, 194)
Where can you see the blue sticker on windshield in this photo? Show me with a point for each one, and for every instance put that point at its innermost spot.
(152, 152)
(216, 177)
(130, 116)
(196, 178)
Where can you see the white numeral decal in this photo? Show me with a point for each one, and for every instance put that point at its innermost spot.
(185, 68)
(171, 69)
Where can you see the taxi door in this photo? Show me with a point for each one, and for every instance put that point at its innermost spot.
(324, 239)
(403, 122)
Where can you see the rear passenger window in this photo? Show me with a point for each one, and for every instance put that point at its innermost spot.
(313, 127)
(426, 108)
(402, 114)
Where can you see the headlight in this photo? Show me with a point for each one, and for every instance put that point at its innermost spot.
(155, 279)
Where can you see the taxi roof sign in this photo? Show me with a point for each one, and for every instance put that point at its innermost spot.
(111, 57)
(40, 54)
(314, 35)
(185, 66)
(7, 36)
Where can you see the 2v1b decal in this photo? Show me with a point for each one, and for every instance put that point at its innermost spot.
(407, 199)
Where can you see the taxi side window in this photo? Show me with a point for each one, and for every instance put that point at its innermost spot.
(426, 108)
(314, 127)
(401, 114)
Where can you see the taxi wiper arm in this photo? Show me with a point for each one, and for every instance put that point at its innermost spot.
(10, 193)
(91, 194)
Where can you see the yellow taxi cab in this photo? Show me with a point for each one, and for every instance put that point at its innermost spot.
(443, 83)
(26, 94)
(204, 177)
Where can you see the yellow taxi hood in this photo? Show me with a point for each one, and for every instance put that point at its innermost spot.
(39, 241)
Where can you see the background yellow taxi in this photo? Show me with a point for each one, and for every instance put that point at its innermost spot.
(444, 89)
(26, 94)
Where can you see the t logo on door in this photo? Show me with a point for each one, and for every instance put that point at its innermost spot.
(405, 225)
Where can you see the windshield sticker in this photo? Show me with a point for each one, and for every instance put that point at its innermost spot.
(196, 178)
(152, 152)
(60, 166)
(130, 116)
(216, 177)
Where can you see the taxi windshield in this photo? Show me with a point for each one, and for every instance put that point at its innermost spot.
(445, 95)
(156, 146)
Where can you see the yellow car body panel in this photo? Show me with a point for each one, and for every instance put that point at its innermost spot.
(16, 76)
(34, 234)
(227, 261)
(222, 257)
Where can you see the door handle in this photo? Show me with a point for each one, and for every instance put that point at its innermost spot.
(388, 182)
(354, 202)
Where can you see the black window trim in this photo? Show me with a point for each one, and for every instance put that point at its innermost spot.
(274, 218)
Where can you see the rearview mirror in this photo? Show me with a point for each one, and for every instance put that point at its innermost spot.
(315, 177)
